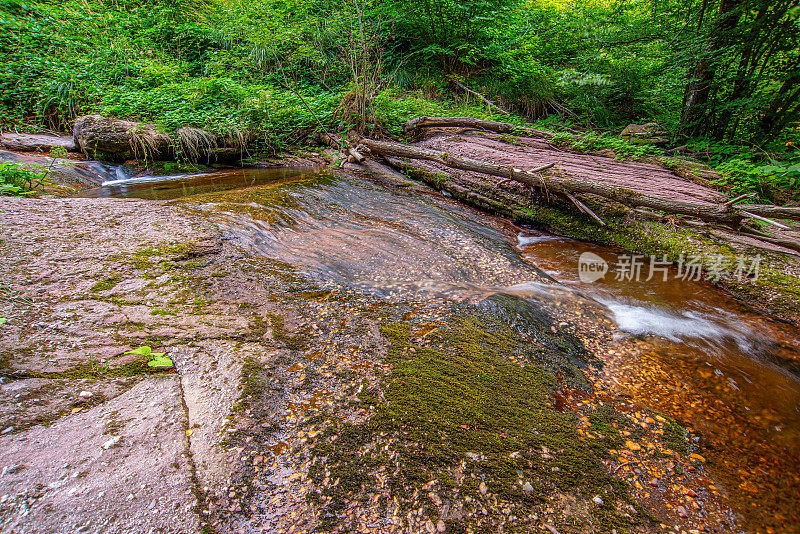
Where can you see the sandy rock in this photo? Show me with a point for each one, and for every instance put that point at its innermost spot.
(35, 142)
(63, 478)
(32, 401)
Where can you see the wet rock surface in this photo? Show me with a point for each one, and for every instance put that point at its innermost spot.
(331, 373)
(35, 142)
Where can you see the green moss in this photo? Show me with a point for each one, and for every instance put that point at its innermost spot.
(474, 386)
(675, 437)
(253, 384)
(279, 333)
(157, 311)
(106, 284)
(511, 140)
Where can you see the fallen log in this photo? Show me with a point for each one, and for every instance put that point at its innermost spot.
(558, 183)
(383, 172)
(441, 183)
(767, 210)
(478, 124)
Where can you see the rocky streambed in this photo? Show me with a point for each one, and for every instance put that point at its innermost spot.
(350, 356)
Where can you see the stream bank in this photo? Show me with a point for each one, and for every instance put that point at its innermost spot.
(309, 317)
(314, 317)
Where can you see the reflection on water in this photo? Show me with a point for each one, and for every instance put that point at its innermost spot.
(184, 185)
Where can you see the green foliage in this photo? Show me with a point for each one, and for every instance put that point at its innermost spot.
(16, 180)
(156, 360)
(776, 181)
(393, 107)
(591, 141)
(269, 72)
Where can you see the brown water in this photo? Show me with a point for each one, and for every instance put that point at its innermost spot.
(710, 362)
(682, 348)
(184, 185)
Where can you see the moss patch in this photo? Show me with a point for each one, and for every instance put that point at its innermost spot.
(106, 284)
(469, 412)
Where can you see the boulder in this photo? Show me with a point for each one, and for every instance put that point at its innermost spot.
(35, 142)
(645, 134)
(111, 139)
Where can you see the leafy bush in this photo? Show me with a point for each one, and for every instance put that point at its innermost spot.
(591, 141)
(775, 182)
(16, 180)
(394, 107)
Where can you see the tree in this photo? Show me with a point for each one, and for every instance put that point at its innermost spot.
(745, 48)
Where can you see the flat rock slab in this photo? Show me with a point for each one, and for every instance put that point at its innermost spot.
(25, 403)
(36, 142)
(103, 470)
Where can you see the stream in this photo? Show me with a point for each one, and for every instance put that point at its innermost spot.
(681, 348)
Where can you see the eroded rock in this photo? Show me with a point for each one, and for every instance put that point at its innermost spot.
(118, 140)
(36, 142)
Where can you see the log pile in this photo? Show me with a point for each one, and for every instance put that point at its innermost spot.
(554, 183)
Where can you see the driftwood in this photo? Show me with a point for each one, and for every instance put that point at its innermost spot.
(763, 219)
(478, 124)
(558, 183)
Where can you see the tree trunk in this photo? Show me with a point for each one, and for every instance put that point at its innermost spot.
(695, 116)
(557, 184)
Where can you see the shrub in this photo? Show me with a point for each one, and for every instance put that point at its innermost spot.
(16, 180)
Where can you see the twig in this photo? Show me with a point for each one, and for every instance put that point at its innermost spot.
(475, 93)
(733, 201)
(764, 219)
(585, 209)
(542, 168)
(623, 464)
(551, 528)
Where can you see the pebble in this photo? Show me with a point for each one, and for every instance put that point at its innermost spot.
(440, 526)
(598, 500)
(482, 488)
(111, 442)
(85, 394)
(527, 488)
(682, 511)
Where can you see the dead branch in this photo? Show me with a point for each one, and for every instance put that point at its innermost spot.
(763, 219)
(766, 210)
(488, 102)
(479, 124)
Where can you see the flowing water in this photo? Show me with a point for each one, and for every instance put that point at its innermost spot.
(682, 348)
(119, 184)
